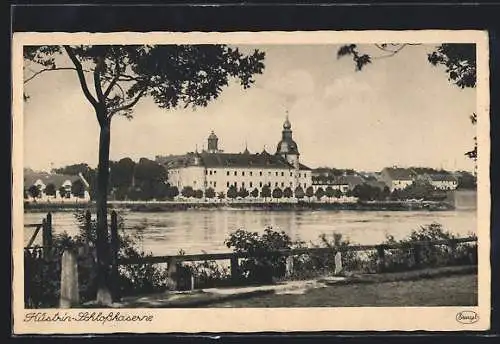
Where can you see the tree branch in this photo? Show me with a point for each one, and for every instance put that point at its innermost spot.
(48, 70)
(81, 77)
(115, 79)
(97, 79)
(127, 106)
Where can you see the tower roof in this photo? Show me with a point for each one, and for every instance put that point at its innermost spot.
(212, 136)
(287, 125)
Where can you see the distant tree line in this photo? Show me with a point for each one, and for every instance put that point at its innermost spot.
(129, 180)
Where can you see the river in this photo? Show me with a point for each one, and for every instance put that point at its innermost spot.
(195, 231)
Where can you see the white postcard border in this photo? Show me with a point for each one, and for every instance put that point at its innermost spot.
(255, 319)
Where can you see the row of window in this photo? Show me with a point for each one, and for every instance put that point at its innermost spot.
(250, 173)
(261, 184)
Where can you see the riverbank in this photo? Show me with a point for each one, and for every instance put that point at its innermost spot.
(166, 206)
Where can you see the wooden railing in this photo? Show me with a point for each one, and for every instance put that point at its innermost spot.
(174, 261)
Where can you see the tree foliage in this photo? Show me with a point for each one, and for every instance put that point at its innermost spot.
(255, 193)
(299, 192)
(265, 192)
(232, 192)
(50, 189)
(173, 75)
(187, 192)
(210, 193)
(287, 193)
(319, 193)
(277, 193)
(34, 191)
(78, 188)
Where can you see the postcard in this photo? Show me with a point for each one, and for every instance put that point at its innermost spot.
(213, 182)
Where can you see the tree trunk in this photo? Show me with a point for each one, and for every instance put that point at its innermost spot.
(104, 296)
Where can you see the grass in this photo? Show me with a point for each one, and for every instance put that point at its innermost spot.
(458, 290)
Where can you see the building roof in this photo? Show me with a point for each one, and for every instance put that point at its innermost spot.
(442, 177)
(341, 180)
(30, 178)
(351, 180)
(398, 173)
(234, 160)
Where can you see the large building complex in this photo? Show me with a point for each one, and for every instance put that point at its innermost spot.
(213, 168)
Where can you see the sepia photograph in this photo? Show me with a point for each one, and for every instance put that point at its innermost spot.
(189, 182)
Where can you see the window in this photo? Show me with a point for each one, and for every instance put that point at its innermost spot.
(291, 183)
(215, 184)
(215, 171)
(243, 173)
(210, 172)
(235, 173)
(260, 173)
(290, 174)
(251, 173)
(276, 174)
(300, 175)
(304, 185)
(282, 184)
(227, 173)
(227, 184)
(242, 184)
(251, 184)
(282, 174)
(206, 172)
(235, 184)
(210, 183)
(260, 184)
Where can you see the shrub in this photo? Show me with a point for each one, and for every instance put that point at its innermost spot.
(261, 266)
(428, 255)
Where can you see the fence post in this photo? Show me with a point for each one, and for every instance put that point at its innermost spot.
(115, 246)
(172, 272)
(417, 254)
(338, 263)
(381, 258)
(88, 227)
(234, 267)
(69, 296)
(47, 234)
(289, 266)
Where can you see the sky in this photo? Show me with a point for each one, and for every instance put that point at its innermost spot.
(399, 111)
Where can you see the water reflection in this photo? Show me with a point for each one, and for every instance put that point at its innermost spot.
(205, 230)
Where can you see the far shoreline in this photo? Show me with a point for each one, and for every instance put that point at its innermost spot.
(169, 206)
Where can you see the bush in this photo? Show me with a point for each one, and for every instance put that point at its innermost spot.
(261, 266)
(428, 255)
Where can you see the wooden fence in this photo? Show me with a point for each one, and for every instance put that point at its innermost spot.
(46, 227)
(174, 261)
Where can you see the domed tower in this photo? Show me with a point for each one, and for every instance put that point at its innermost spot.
(212, 143)
(287, 147)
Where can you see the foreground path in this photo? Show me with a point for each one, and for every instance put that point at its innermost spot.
(446, 286)
(458, 290)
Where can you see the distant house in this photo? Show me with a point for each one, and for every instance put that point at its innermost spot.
(336, 183)
(397, 178)
(55, 187)
(442, 181)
